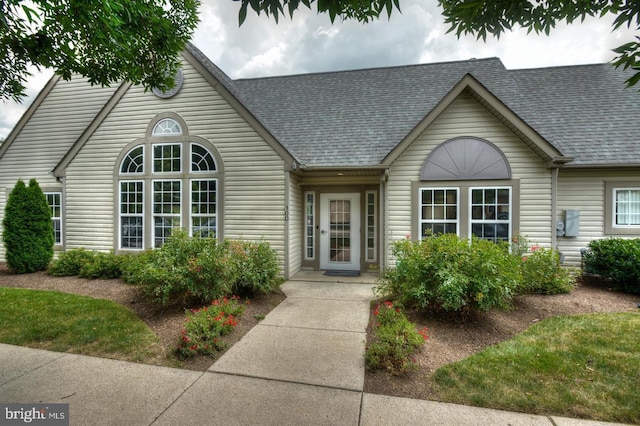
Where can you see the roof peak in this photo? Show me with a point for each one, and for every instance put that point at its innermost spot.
(375, 69)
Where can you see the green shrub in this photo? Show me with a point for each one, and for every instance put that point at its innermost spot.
(396, 340)
(186, 270)
(257, 267)
(70, 262)
(104, 266)
(542, 273)
(452, 274)
(28, 233)
(617, 259)
(134, 266)
(204, 327)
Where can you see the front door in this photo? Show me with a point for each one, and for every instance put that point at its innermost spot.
(340, 231)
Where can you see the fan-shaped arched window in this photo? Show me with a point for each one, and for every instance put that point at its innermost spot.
(166, 127)
(154, 174)
(134, 161)
(465, 159)
(201, 159)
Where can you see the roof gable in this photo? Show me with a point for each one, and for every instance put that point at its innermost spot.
(355, 118)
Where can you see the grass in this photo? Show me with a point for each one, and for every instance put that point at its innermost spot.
(584, 366)
(70, 323)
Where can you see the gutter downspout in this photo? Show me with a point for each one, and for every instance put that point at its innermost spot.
(287, 224)
(554, 206)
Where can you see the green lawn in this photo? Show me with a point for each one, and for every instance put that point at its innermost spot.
(69, 323)
(585, 366)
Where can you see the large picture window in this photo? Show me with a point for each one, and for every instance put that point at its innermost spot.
(180, 189)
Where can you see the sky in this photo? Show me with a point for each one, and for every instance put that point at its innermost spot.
(311, 43)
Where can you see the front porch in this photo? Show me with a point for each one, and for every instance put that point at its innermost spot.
(318, 276)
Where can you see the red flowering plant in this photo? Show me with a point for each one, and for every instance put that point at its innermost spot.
(204, 327)
(396, 340)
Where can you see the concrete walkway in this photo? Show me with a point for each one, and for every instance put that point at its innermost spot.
(302, 365)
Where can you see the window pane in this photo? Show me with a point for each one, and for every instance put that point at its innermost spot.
(165, 127)
(203, 226)
(203, 208)
(491, 213)
(131, 232)
(310, 221)
(627, 207)
(439, 211)
(134, 161)
(427, 213)
(452, 212)
(476, 212)
(166, 158)
(503, 196)
(476, 196)
(201, 159)
(427, 197)
(162, 228)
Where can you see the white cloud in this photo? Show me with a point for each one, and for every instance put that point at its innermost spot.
(311, 43)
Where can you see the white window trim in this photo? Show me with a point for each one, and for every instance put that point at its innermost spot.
(59, 193)
(375, 226)
(191, 215)
(431, 221)
(182, 160)
(614, 200)
(492, 221)
(154, 215)
(313, 226)
(142, 215)
(610, 226)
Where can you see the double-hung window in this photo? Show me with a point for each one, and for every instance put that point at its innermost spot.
(627, 206)
(491, 213)
(55, 204)
(439, 211)
(482, 211)
(622, 208)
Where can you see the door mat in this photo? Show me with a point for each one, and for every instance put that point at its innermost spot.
(338, 273)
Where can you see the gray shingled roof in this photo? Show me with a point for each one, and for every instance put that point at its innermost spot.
(586, 111)
(355, 118)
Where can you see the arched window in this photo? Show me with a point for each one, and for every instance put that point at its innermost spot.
(166, 126)
(464, 159)
(133, 161)
(179, 190)
(467, 189)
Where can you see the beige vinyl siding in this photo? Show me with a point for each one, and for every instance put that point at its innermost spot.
(296, 225)
(584, 190)
(466, 117)
(254, 178)
(52, 129)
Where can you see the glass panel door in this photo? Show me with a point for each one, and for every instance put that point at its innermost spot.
(340, 231)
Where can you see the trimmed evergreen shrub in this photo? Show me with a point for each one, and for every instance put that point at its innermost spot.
(70, 262)
(198, 269)
(617, 259)
(104, 266)
(28, 233)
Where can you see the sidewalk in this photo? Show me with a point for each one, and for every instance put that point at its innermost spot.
(302, 365)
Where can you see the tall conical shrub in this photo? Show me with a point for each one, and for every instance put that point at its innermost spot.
(28, 234)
